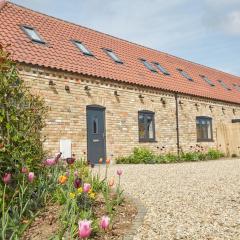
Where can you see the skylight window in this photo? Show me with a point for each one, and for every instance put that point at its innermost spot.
(184, 74)
(236, 86)
(224, 85)
(82, 48)
(207, 80)
(113, 56)
(32, 34)
(161, 68)
(148, 65)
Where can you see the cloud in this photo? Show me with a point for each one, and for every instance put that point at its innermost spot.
(222, 16)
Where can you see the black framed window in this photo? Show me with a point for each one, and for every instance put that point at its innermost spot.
(146, 126)
(184, 74)
(161, 68)
(207, 80)
(82, 48)
(224, 85)
(32, 34)
(148, 65)
(204, 129)
(113, 56)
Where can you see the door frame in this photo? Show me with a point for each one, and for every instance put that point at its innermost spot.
(100, 108)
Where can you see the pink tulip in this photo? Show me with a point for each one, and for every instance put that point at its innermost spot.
(86, 187)
(24, 170)
(31, 176)
(7, 178)
(119, 172)
(50, 162)
(84, 228)
(104, 223)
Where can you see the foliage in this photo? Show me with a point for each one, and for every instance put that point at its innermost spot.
(145, 156)
(22, 117)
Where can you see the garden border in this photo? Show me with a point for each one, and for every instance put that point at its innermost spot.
(139, 218)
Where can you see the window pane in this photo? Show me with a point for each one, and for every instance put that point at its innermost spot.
(33, 34)
(141, 127)
(82, 48)
(204, 128)
(95, 125)
(113, 56)
(184, 74)
(148, 65)
(150, 127)
(161, 68)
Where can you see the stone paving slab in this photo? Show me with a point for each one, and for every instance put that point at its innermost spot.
(192, 201)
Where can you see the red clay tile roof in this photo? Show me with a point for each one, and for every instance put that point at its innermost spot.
(60, 53)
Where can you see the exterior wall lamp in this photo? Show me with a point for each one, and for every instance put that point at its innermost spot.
(116, 93)
(67, 88)
(87, 88)
(234, 111)
(211, 108)
(51, 83)
(180, 102)
(163, 101)
(141, 96)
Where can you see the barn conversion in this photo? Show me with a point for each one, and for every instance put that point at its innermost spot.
(107, 95)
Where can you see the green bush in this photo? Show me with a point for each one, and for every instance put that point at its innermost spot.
(22, 117)
(145, 156)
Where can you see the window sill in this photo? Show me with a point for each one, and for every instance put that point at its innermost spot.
(148, 141)
(205, 140)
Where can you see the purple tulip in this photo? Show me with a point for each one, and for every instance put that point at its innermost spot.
(77, 183)
(70, 160)
(7, 178)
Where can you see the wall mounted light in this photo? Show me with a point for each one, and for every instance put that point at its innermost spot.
(87, 88)
(67, 88)
(116, 93)
(180, 102)
(211, 107)
(141, 96)
(51, 83)
(163, 101)
(223, 110)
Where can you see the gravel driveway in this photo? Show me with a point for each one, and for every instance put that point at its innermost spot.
(187, 200)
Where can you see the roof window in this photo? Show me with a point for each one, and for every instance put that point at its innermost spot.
(113, 56)
(184, 74)
(161, 68)
(148, 65)
(82, 48)
(32, 34)
(207, 80)
(224, 85)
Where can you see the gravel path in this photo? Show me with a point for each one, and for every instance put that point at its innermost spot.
(187, 200)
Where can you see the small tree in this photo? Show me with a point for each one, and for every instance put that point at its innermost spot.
(22, 117)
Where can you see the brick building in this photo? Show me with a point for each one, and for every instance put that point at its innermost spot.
(107, 95)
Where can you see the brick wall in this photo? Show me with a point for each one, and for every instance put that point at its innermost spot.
(67, 115)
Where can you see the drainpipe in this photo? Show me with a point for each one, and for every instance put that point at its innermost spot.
(177, 125)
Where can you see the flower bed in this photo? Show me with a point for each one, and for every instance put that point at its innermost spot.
(145, 156)
(85, 203)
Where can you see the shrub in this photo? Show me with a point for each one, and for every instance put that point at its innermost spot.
(143, 155)
(22, 118)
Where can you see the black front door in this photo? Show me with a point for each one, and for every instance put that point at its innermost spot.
(96, 144)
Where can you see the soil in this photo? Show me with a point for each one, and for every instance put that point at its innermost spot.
(46, 225)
